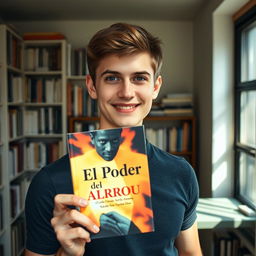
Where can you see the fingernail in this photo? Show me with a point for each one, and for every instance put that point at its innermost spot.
(83, 202)
(96, 228)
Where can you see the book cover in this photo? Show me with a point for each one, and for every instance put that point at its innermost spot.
(110, 169)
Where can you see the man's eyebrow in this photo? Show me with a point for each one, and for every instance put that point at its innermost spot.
(109, 72)
(118, 73)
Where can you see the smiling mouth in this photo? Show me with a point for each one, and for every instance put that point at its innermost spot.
(125, 106)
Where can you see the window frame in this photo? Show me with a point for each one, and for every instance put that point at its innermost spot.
(244, 21)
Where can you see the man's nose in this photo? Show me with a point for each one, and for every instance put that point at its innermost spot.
(108, 146)
(126, 89)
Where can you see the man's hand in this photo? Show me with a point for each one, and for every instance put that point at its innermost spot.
(71, 227)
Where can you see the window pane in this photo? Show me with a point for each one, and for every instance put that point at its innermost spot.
(248, 118)
(248, 54)
(247, 175)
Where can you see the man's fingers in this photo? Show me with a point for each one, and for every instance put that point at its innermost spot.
(68, 235)
(61, 202)
(73, 216)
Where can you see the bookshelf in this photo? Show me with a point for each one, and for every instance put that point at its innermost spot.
(155, 132)
(10, 103)
(33, 105)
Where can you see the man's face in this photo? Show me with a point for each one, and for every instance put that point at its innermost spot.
(107, 143)
(125, 88)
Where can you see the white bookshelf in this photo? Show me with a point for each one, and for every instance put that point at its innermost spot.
(11, 102)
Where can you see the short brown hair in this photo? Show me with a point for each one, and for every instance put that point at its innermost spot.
(123, 39)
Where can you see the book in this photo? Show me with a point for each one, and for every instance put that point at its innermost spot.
(109, 168)
(43, 36)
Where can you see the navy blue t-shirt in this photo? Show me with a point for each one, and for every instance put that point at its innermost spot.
(174, 198)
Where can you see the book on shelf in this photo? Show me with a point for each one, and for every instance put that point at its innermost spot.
(45, 120)
(43, 90)
(15, 123)
(43, 36)
(80, 126)
(14, 51)
(76, 61)
(18, 237)
(16, 159)
(173, 139)
(110, 169)
(78, 101)
(42, 59)
(177, 104)
(39, 154)
(15, 88)
(18, 193)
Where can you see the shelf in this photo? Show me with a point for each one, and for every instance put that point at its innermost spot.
(17, 176)
(15, 104)
(43, 136)
(245, 240)
(14, 69)
(51, 42)
(76, 77)
(17, 216)
(42, 104)
(221, 213)
(168, 118)
(17, 138)
(40, 73)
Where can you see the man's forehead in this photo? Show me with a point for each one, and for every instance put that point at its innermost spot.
(108, 134)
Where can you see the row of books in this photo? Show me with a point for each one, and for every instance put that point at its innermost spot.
(229, 244)
(13, 51)
(79, 103)
(178, 104)
(46, 90)
(15, 123)
(39, 154)
(18, 237)
(16, 159)
(32, 155)
(76, 61)
(18, 194)
(173, 139)
(15, 88)
(45, 120)
(42, 59)
(84, 126)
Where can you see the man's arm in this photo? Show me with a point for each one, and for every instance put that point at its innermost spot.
(188, 243)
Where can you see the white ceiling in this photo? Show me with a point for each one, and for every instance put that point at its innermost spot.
(25, 10)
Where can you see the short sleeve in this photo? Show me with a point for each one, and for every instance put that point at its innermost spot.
(40, 236)
(192, 196)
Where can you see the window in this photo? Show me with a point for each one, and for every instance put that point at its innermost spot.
(245, 108)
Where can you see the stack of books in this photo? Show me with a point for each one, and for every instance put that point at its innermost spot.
(177, 104)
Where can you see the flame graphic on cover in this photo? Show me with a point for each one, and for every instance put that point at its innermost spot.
(119, 185)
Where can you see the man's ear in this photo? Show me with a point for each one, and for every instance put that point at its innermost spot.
(157, 87)
(91, 87)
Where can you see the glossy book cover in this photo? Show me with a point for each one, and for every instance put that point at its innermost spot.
(110, 169)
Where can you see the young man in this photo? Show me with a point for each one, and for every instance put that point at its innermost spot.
(124, 63)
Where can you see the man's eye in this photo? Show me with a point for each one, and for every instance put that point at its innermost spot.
(102, 141)
(111, 78)
(140, 78)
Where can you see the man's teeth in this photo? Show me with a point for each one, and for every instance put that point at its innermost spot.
(125, 107)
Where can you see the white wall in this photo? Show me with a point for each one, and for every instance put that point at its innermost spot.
(177, 38)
